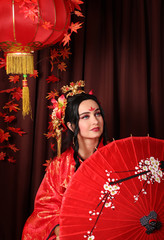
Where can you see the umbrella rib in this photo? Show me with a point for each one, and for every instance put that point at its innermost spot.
(133, 176)
(105, 197)
(128, 178)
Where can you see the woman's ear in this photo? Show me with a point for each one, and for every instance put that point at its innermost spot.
(69, 125)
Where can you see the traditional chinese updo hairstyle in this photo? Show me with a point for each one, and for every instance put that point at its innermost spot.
(72, 116)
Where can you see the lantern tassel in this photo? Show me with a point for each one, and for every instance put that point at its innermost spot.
(18, 63)
(26, 105)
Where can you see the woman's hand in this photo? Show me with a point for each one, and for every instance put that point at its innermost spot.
(57, 232)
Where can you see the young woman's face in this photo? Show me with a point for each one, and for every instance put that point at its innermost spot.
(90, 120)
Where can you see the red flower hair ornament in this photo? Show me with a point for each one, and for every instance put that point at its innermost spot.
(59, 107)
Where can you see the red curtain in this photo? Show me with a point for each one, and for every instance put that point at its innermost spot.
(119, 53)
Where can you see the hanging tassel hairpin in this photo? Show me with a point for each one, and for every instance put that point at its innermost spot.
(59, 107)
(58, 137)
(58, 115)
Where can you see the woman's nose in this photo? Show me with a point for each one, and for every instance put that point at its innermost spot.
(94, 119)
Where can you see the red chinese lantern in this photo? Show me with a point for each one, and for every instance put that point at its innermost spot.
(26, 26)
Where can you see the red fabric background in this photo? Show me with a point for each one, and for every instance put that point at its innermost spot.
(119, 52)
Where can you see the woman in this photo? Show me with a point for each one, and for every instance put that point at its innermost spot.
(84, 119)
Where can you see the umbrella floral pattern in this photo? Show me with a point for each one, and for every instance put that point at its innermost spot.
(148, 170)
(117, 193)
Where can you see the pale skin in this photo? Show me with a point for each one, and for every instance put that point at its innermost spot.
(90, 129)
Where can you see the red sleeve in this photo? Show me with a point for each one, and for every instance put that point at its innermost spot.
(48, 199)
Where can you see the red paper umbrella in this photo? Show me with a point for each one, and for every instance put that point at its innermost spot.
(118, 193)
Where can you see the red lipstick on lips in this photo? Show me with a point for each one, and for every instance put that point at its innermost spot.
(96, 129)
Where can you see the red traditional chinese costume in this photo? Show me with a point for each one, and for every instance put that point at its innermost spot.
(45, 217)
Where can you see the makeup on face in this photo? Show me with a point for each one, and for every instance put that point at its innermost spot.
(88, 113)
(90, 120)
(91, 109)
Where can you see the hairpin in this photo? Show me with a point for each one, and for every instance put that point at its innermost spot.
(59, 107)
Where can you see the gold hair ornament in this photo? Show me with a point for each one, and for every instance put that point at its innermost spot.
(73, 88)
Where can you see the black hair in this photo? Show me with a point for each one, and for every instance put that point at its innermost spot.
(72, 116)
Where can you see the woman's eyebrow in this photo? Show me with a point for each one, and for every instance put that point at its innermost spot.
(84, 113)
(89, 112)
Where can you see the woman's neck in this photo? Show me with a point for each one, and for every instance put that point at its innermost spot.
(87, 147)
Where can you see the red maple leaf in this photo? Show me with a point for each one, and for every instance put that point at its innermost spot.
(52, 66)
(66, 38)
(50, 107)
(13, 147)
(75, 4)
(47, 163)
(52, 78)
(4, 135)
(50, 127)
(35, 74)
(27, 3)
(78, 13)
(9, 118)
(65, 52)
(62, 66)
(17, 94)
(16, 130)
(50, 134)
(2, 155)
(11, 160)
(14, 79)
(31, 12)
(75, 26)
(2, 62)
(12, 106)
(54, 53)
(8, 90)
(47, 25)
(52, 94)
(2, 114)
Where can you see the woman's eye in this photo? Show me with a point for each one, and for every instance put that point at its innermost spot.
(98, 114)
(85, 117)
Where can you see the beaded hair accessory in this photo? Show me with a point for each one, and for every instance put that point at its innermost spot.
(59, 107)
(73, 88)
